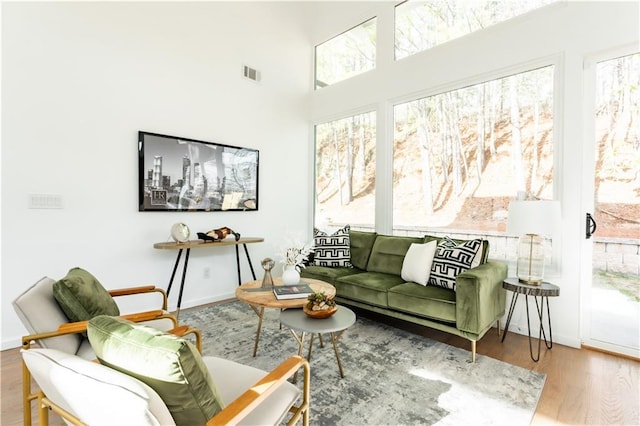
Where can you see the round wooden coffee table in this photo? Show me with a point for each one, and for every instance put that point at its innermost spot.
(260, 298)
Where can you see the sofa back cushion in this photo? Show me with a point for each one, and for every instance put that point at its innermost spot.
(361, 245)
(387, 254)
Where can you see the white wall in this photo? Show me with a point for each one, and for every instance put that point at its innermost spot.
(562, 34)
(78, 82)
(80, 79)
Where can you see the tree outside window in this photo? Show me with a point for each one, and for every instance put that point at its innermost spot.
(461, 156)
(346, 55)
(345, 171)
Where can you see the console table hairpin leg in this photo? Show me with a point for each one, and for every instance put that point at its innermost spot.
(246, 252)
(187, 246)
(184, 274)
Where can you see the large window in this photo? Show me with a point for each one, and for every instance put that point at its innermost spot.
(351, 53)
(617, 182)
(420, 25)
(345, 171)
(460, 156)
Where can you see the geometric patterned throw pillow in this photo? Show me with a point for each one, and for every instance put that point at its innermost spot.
(332, 250)
(450, 260)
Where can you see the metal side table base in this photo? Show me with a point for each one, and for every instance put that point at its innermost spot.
(543, 291)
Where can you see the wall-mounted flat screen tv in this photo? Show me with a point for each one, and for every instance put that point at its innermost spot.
(180, 174)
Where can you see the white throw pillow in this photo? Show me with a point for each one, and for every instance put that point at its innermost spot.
(416, 266)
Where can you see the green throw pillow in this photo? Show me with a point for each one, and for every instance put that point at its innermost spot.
(82, 297)
(170, 365)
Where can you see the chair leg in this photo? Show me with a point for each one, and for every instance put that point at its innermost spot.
(26, 395)
(43, 411)
(306, 393)
(473, 351)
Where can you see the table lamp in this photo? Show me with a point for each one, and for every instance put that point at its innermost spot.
(533, 220)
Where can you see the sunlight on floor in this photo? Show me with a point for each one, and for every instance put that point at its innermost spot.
(479, 399)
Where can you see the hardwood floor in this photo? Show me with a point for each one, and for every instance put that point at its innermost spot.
(583, 386)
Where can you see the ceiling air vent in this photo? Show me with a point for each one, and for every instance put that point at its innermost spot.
(251, 73)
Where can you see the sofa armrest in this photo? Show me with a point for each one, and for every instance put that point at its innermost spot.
(480, 298)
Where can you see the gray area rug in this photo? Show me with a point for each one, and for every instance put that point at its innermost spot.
(392, 377)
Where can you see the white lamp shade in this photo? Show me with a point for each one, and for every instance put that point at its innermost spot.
(532, 220)
(534, 217)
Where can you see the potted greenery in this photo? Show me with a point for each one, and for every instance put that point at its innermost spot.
(319, 305)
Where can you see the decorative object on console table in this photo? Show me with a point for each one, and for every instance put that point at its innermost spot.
(298, 291)
(533, 220)
(267, 265)
(218, 234)
(180, 232)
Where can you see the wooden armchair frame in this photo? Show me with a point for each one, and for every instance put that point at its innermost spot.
(81, 327)
(128, 291)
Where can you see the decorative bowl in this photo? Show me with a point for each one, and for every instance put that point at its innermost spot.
(319, 314)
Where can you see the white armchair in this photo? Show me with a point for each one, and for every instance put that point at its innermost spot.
(87, 393)
(48, 325)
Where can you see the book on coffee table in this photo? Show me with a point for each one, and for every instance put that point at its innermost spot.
(296, 291)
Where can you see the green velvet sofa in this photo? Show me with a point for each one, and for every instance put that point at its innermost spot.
(374, 283)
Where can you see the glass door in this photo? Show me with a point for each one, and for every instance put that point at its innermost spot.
(612, 303)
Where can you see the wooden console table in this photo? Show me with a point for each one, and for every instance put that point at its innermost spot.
(188, 245)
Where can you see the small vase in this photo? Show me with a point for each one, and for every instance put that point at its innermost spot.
(290, 275)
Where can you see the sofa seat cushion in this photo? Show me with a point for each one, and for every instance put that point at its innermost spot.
(237, 378)
(431, 302)
(368, 287)
(328, 274)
